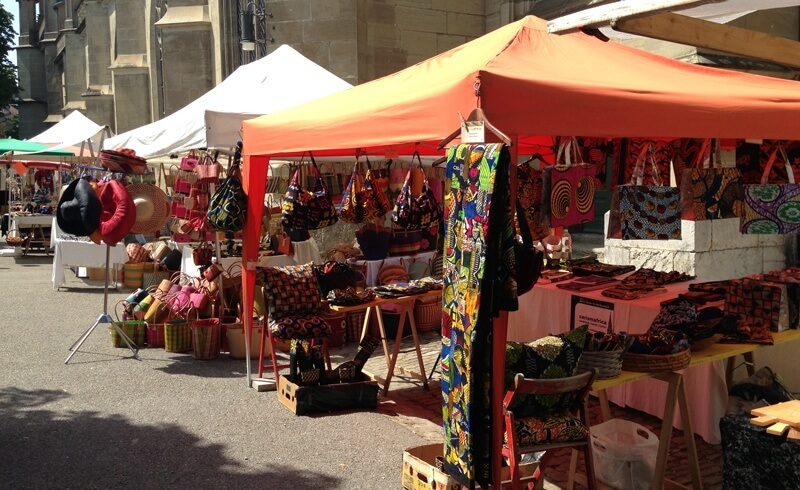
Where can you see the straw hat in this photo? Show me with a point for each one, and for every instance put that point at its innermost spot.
(152, 207)
(118, 215)
(78, 209)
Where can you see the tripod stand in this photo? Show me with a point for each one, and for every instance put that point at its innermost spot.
(104, 318)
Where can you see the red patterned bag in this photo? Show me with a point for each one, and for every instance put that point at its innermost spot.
(568, 194)
(361, 201)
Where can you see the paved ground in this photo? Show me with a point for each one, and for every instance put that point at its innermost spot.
(106, 420)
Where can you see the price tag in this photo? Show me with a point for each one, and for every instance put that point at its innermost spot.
(472, 132)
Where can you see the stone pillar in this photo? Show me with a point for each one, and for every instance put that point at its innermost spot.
(187, 54)
(130, 72)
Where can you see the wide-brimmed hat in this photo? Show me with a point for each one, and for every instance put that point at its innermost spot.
(152, 207)
(78, 209)
(118, 215)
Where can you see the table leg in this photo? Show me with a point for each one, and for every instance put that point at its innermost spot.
(413, 323)
(395, 351)
(688, 436)
(674, 381)
(382, 330)
(605, 409)
(365, 325)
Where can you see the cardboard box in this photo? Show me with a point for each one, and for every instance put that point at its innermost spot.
(304, 400)
(420, 472)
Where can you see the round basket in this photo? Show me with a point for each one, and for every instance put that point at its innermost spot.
(607, 363)
(654, 363)
(707, 342)
(427, 316)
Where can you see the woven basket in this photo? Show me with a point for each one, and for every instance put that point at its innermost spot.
(654, 363)
(354, 322)
(134, 329)
(134, 274)
(707, 342)
(607, 363)
(155, 335)
(177, 336)
(428, 315)
(205, 339)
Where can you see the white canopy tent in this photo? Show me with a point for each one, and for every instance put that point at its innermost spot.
(75, 129)
(282, 79)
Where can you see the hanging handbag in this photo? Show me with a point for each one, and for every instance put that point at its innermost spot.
(207, 170)
(283, 243)
(189, 162)
(305, 209)
(227, 208)
(568, 193)
(645, 212)
(530, 188)
(713, 191)
(416, 213)
(772, 209)
(330, 178)
(202, 254)
(361, 201)
(528, 261)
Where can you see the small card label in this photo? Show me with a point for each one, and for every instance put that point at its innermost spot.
(472, 132)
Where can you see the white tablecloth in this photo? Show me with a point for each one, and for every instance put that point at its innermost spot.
(84, 254)
(81, 254)
(546, 309)
(17, 222)
(188, 267)
(374, 266)
(307, 251)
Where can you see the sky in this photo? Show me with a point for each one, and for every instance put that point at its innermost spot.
(13, 7)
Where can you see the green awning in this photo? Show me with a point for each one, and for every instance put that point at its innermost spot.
(27, 147)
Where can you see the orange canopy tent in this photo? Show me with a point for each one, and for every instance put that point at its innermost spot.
(529, 83)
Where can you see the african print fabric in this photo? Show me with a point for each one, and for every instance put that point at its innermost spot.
(479, 236)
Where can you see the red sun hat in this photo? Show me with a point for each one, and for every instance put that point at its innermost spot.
(118, 215)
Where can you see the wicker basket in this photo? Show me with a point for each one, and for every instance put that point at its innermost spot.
(654, 363)
(607, 363)
(707, 342)
(155, 335)
(354, 322)
(428, 315)
(205, 339)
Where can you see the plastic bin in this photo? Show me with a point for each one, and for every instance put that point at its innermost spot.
(624, 454)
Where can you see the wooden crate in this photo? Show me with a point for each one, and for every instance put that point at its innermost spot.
(304, 400)
(420, 471)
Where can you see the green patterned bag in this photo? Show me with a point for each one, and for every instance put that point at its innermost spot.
(227, 209)
(177, 336)
(134, 329)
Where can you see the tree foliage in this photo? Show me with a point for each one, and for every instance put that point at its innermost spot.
(8, 71)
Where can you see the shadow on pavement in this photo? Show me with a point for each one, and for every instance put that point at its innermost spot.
(222, 367)
(85, 450)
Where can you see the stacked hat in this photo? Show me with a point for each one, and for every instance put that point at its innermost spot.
(152, 207)
(118, 214)
(79, 209)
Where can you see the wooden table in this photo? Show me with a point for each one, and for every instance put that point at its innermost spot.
(675, 393)
(406, 304)
(36, 223)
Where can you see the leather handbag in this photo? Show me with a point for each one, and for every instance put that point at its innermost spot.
(416, 212)
(202, 254)
(772, 209)
(710, 191)
(568, 192)
(284, 243)
(308, 209)
(361, 201)
(645, 212)
(227, 208)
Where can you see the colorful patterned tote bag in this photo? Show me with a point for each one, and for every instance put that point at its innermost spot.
(772, 209)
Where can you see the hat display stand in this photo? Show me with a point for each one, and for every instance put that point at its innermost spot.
(104, 318)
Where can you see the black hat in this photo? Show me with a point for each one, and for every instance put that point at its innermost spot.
(79, 209)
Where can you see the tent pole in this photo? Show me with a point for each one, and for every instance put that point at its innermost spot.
(499, 334)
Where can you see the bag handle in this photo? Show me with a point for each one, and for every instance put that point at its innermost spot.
(787, 164)
(771, 162)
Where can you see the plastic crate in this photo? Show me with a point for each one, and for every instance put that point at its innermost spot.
(624, 454)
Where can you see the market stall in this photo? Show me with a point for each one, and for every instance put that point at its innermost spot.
(282, 79)
(528, 83)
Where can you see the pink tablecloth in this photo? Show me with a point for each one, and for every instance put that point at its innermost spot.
(546, 309)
